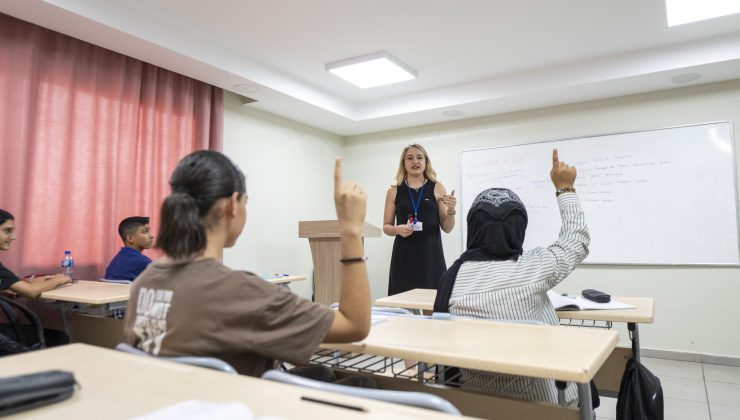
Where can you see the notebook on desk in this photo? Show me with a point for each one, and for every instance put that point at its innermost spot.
(565, 303)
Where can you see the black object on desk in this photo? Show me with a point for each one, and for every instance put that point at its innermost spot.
(333, 404)
(596, 296)
(24, 392)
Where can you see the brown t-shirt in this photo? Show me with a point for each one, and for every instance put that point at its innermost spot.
(203, 308)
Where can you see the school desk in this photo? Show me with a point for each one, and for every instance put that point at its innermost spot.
(609, 378)
(90, 297)
(99, 298)
(93, 311)
(116, 385)
(540, 351)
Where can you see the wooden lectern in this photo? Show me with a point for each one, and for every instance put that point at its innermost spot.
(323, 236)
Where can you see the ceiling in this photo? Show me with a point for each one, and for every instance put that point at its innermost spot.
(474, 57)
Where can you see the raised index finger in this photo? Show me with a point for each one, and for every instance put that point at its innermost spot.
(555, 160)
(338, 174)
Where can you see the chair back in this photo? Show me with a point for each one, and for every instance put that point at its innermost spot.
(12, 344)
(416, 399)
(206, 362)
(383, 310)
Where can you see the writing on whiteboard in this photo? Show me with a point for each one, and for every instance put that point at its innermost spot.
(642, 192)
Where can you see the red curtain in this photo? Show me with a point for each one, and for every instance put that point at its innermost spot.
(88, 137)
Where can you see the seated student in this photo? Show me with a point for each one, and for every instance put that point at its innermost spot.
(26, 335)
(130, 262)
(495, 279)
(189, 303)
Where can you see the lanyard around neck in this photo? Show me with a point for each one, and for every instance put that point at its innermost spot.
(418, 201)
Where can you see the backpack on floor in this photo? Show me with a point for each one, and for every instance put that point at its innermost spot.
(640, 394)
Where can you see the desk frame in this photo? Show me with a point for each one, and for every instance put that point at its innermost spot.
(91, 311)
(644, 312)
(377, 367)
(415, 339)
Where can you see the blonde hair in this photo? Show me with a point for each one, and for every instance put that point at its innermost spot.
(429, 172)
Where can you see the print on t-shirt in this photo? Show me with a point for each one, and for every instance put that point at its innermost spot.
(151, 318)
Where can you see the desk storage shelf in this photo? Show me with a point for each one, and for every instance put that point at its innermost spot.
(586, 323)
(423, 373)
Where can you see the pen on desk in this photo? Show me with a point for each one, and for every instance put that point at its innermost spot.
(349, 407)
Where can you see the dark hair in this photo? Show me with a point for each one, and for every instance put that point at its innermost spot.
(199, 181)
(130, 224)
(5, 216)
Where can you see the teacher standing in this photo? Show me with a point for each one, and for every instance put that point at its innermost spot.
(417, 207)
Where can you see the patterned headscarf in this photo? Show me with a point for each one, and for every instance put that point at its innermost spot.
(497, 222)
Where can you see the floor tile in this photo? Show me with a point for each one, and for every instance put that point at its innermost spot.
(683, 389)
(675, 409)
(724, 412)
(673, 368)
(608, 408)
(723, 393)
(721, 373)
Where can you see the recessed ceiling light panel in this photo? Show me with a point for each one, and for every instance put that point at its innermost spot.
(371, 70)
(679, 12)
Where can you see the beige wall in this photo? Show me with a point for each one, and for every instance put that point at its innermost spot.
(697, 308)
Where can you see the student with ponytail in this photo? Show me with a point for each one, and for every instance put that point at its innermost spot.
(189, 303)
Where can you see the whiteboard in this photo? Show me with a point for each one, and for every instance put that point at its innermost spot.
(663, 196)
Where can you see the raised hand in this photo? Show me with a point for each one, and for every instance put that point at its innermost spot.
(350, 202)
(562, 175)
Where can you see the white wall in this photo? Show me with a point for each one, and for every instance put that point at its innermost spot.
(289, 169)
(696, 307)
(289, 178)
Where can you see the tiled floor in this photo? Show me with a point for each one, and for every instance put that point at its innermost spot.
(691, 391)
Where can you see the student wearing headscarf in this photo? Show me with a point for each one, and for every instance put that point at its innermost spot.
(496, 279)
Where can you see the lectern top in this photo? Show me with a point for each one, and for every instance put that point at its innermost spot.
(330, 229)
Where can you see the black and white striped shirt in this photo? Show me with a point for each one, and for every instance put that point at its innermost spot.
(517, 290)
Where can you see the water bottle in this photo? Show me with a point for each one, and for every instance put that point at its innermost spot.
(68, 264)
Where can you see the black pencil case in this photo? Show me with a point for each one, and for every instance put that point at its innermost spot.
(596, 296)
(24, 392)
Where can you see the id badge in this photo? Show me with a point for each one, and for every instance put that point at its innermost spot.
(417, 227)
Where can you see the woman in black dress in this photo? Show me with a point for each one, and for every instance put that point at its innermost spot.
(417, 206)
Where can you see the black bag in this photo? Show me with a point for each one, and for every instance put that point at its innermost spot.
(640, 394)
(15, 337)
